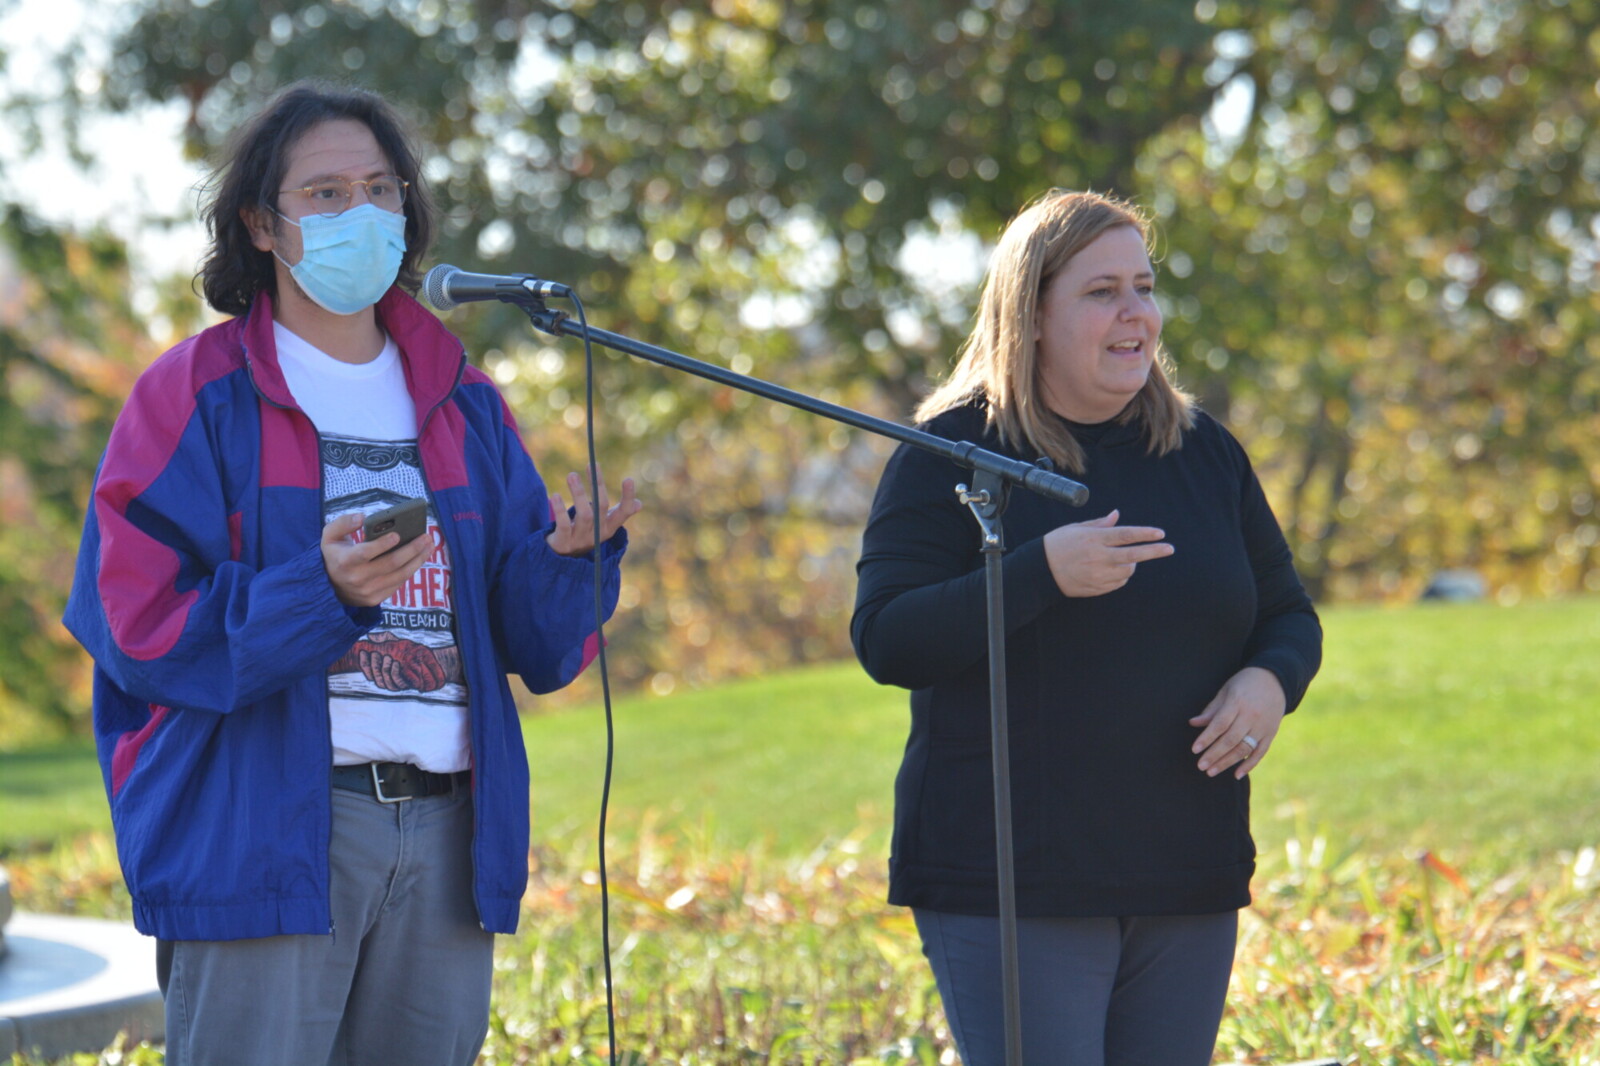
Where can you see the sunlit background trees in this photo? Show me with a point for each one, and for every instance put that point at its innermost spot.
(1379, 225)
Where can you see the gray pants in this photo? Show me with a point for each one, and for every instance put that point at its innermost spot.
(1095, 991)
(403, 981)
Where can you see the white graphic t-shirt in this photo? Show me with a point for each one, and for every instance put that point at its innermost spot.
(399, 694)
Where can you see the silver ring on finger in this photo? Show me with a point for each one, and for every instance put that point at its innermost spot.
(1252, 741)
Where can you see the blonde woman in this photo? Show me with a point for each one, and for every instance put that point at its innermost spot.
(1155, 645)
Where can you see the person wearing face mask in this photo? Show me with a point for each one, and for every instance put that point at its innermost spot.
(1154, 646)
(313, 759)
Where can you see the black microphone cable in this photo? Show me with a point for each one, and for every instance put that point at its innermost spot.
(438, 295)
(605, 675)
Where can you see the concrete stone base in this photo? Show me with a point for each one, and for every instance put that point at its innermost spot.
(72, 984)
(5, 907)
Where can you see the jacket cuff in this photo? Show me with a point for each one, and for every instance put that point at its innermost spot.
(341, 619)
(1029, 582)
(611, 550)
(1290, 672)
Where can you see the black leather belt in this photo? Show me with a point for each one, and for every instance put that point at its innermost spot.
(391, 782)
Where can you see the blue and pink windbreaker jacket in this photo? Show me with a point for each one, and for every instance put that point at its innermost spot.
(201, 595)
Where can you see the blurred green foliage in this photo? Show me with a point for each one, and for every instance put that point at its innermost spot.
(1378, 220)
(67, 342)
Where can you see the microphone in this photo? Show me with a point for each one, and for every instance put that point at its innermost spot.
(446, 287)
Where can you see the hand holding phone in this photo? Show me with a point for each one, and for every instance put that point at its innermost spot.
(409, 518)
(362, 581)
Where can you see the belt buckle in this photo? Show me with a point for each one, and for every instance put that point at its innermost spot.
(377, 788)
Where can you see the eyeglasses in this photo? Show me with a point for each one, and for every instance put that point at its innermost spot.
(333, 196)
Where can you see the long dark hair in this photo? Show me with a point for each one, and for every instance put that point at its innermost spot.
(235, 271)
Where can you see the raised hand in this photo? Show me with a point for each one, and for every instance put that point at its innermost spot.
(1098, 556)
(574, 533)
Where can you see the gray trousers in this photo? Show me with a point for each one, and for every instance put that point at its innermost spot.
(403, 980)
(1094, 991)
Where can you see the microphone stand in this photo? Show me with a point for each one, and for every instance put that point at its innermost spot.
(987, 501)
(995, 475)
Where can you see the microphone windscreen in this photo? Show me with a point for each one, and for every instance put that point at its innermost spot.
(435, 287)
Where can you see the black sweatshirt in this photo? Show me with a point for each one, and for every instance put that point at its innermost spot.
(1112, 815)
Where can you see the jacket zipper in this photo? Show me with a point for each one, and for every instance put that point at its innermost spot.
(445, 532)
(327, 707)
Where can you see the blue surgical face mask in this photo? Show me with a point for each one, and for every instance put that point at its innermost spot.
(348, 261)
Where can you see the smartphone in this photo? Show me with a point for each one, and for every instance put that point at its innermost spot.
(409, 518)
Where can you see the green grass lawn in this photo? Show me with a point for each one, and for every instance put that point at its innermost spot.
(789, 761)
(48, 793)
(1455, 728)
(739, 936)
(1458, 728)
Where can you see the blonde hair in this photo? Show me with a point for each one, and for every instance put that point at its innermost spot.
(999, 359)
